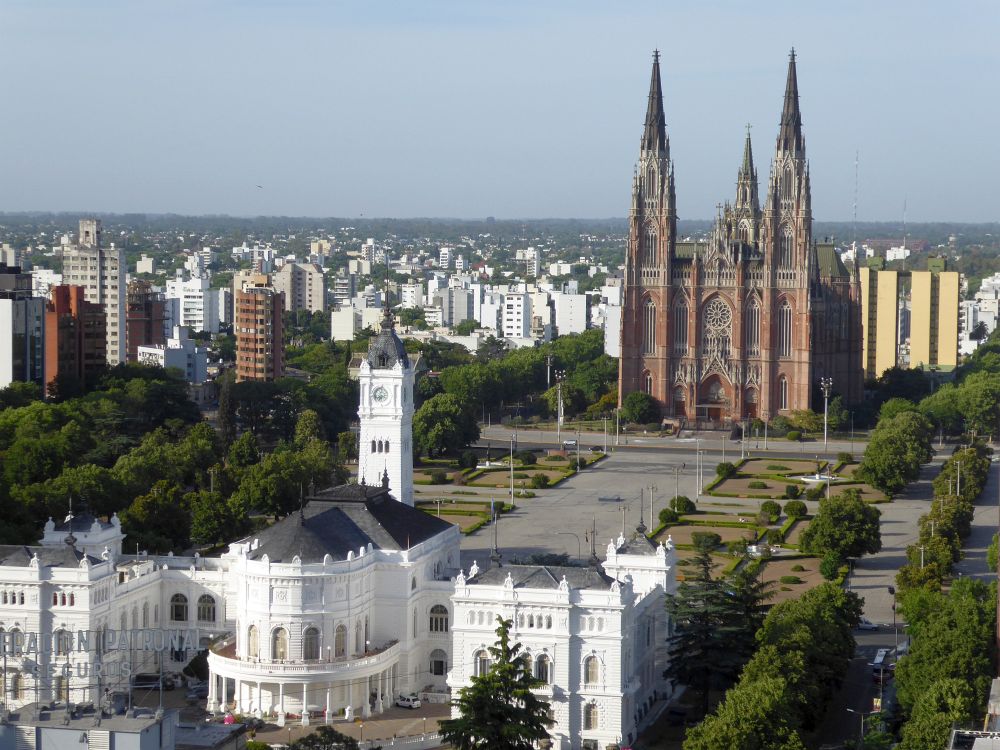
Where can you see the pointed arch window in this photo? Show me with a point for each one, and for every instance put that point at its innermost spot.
(752, 328)
(310, 644)
(647, 384)
(717, 325)
(787, 183)
(785, 248)
(340, 642)
(680, 331)
(782, 393)
(784, 329)
(253, 642)
(651, 249)
(279, 644)
(648, 327)
(591, 671)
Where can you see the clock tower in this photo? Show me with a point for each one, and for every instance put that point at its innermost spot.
(385, 443)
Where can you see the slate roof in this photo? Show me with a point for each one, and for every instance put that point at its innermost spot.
(386, 348)
(637, 544)
(344, 519)
(545, 577)
(829, 263)
(19, 556)
(82, 522)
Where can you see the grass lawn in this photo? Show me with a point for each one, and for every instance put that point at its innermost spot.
(501, 478)
(719, 562)
(795, 534)
(682, 534)
(775, 568)
(740, 487)
(771, 466)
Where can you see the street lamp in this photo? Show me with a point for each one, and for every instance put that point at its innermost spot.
(579, 548)
(677, 479)
(826, 384)
(560, 375)
(861, 735)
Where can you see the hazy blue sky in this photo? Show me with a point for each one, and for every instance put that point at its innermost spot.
(505, 108)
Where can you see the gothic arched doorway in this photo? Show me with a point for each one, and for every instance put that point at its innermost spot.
(716, 399)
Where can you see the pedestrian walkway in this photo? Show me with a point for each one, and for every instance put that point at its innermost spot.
(985, 522)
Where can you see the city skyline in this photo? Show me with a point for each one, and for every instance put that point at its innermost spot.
(464, 111)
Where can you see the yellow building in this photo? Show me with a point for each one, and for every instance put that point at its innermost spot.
(933, 318)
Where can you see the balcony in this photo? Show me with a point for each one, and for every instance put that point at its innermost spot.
(223, 661)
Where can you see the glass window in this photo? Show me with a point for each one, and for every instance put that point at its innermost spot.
(253, 643)
(542, 671)
(178, 608)
(591, 670)
(310, 644)
(439, 619)
(206, 608)
(279, 644)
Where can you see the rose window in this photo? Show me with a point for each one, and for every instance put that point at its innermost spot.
(718, 325)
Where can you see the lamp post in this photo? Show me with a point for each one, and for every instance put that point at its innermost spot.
(861, 735)
(560, 374)
(579, 548)
(605, 435)
(677, 479)
(652, 488)
(826, 384)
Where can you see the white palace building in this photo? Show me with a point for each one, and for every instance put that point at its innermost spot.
(335, 610)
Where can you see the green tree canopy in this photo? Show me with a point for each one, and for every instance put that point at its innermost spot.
(443, 425)
(158, 521)
(845, 525)
(640, 408)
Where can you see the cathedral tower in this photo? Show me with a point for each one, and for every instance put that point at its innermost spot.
(644, 364)
(385, 445)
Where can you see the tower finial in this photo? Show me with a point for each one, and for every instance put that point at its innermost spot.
(654, 136)
(790, 133)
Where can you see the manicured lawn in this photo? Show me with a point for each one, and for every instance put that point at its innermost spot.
(768, 466)
(502, 478)
(775, 568)
(740, 487)
(847, 470)
(682, 534)
(796, 531)
(719, 562)
(424, 475)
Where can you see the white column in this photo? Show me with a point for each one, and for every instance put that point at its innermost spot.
(349, 710)
(260, 699)
(281, 698)
(305, 704)
(213, 691)
(366, 707)
(238, 695)
(328, 688)
(378, 700)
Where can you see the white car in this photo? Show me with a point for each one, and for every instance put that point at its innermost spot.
(865, 624)
(408, 701)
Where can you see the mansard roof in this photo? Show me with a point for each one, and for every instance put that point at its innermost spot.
(386, 348)
(637, 544)
(20, 556)
(344, 519)
(545, 577)
(82, 522)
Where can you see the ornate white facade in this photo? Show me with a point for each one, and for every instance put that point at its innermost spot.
(385, 442)
(595, 635)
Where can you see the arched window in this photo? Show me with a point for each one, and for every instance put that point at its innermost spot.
(60, 689)
(135, 617)
(145, 614)
(785, 248)
(648, 327)
(744, 226)
(591, 670)
(359, 647)
(782, 392)
(717, 326)
(253, 643)
(310, 644)
(787, 183)
(680, 394)
(650, 251)
(279, 644)
(178, 608)
(63, 642)
(55, 599)
(784, 329)
(124, 621)
(72, 600)
(751, 327)
(206, 608)
(647, 384)
(542, 671)
(680, 327)
(373, 446)
(439, 662)
(481, 660)
(590, 716)
(716, 393)
(17, 686)
(62, 599)
(340, 641)
(439, 619)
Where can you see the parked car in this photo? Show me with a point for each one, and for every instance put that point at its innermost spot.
(408, 701)
(865, 624)
(151, 681)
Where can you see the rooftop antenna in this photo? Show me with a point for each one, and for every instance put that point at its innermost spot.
(70, 539)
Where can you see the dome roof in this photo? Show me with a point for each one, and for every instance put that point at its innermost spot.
(386, 348)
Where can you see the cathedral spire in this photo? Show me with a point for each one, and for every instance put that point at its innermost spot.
(746, 183)
(747, 169)
(654, 135)
(790, 133)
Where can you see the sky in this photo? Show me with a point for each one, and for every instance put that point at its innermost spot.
(467, 109)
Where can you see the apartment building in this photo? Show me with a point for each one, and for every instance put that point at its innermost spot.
(260, 347)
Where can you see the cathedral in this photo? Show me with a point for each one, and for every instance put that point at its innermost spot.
(746, 323)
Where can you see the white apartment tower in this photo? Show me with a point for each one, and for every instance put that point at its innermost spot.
(385, 411)
(101, 272)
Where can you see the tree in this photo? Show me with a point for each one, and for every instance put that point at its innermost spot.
(796, 509)
(212, 520)
(227, 410)
(754, 714)
(894, 407)
(442, 425)
(466, 327)
(499, 711)
(845, 525)
(308, 427)
(640, 408)
(19, 394)
(947, 702)
(323, 738)
(347, 446)
(980, 331)
(158, 521)
(681, 504)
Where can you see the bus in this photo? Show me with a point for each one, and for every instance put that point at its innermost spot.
(880, 667)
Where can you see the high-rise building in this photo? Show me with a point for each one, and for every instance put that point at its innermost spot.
(385, 447)
(933, 320)
(516, 315)
(303, 285)
(260, 345)
(177, 352)
(199, 307)
(145, 318)
(745, 324)
(76, 340)
(101, 272)
(22, 329)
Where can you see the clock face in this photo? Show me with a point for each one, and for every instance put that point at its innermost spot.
(380, 395)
